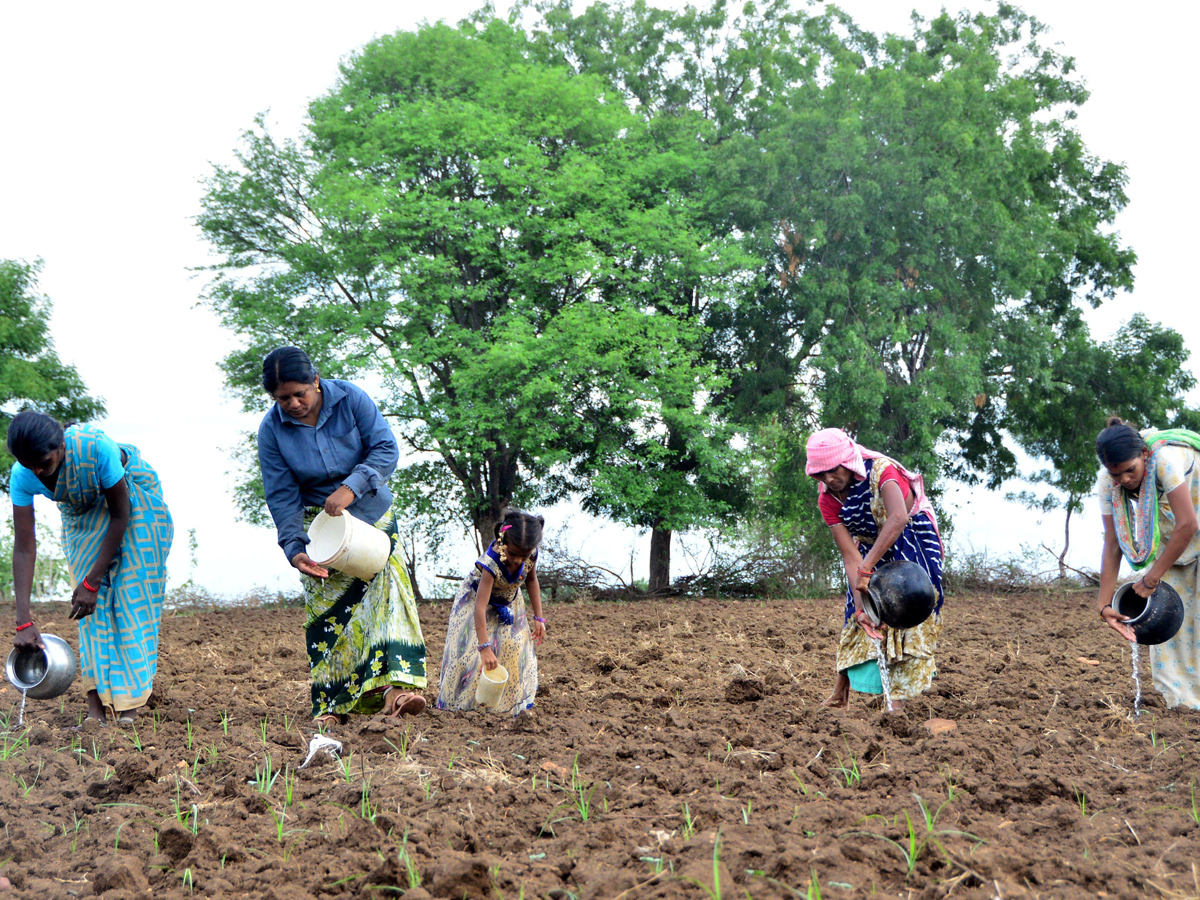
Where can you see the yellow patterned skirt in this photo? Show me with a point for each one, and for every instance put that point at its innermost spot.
(909, 654)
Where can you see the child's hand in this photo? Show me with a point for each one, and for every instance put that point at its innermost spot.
(538, 630)
(489, 659)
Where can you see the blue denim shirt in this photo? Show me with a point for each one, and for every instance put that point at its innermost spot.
(302, 464)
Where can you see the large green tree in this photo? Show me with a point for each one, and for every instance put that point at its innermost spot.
(31, 374)
(484, 232)
(920, 221)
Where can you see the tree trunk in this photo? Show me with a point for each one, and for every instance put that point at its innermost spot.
(1062, 557)
(660, 559)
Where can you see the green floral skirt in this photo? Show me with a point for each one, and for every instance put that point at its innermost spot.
(362, 637)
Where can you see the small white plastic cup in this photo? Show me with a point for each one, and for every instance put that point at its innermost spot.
(490, 688)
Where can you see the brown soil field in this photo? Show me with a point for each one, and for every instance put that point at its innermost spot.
(678, 750)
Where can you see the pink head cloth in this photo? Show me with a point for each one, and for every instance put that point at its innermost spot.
(830, 448)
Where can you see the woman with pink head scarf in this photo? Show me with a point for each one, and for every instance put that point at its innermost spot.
(877, 511)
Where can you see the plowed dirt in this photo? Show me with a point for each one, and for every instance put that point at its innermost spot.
(677, 750)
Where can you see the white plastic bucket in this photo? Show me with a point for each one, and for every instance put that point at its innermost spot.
(348, 545)
(491, 686)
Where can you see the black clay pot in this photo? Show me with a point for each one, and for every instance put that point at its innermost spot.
(1155, 619)
(900, 595)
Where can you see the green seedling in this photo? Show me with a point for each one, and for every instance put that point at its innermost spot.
(1081, 800)
(225, 722)
(402, 749)
(135, 738)
(264, 778)
(188, 881)
(410, 864)
(262, 732)
(746, 812)
(713, 893)
(289, 785)
(367, 811)
(1194, 812)
(189, 733)
(658, 864)
(346, 764)
(912, 843)
(850, 773)
(79, 824)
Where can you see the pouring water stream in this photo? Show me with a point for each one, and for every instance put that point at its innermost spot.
(884, 674)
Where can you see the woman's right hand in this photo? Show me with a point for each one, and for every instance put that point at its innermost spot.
(305, 564)
(29, 637)
(1116, 622)
(873, 631)
(489, 658)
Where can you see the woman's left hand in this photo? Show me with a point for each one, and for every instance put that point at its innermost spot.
(338, 501)
(1142, 590)
(83, 602)
(874, 632)
(863, 582)
(538, 630)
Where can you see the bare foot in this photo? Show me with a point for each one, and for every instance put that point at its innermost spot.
(840, 698)
(896, 706)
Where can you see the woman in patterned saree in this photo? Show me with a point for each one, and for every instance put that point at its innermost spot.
(116, 534)
(1159, 537)
(877, 511)
(324, 445)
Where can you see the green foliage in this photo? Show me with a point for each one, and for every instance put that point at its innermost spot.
(924, 211)
(486, 235)
(31, 374)
(51, 574)
(1138, 374)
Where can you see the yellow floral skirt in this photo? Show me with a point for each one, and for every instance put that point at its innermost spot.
(362, 637)
(909, 654)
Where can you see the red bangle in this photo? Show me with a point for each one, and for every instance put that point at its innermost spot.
(862, 571)
(88, 587)
(28, 624)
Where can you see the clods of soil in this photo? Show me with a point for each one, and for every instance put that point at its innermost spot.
(677, 750)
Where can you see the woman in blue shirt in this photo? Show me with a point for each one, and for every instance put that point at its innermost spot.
(117, 532)
(325, 445)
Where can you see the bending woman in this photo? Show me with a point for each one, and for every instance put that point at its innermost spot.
(877, 511)
(324, 445)
(1158, 537)
(117, 532)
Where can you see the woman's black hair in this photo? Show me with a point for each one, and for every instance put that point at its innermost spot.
(520, 529)
(284, 364)
(1118, 443)
(33, 434)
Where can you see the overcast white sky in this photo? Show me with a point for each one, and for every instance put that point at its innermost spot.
(113, 113)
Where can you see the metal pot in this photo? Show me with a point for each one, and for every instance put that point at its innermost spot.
(900, 595)
(42, 674)
(1155, 619)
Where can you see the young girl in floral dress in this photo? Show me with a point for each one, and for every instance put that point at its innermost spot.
(489, 625)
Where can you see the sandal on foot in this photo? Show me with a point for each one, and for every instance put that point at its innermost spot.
(126, 721)
(397, 703)
(330, 719)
